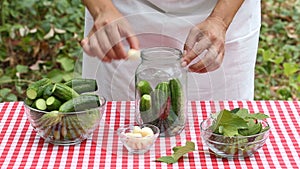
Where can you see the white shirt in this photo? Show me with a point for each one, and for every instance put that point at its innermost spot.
(167, 23)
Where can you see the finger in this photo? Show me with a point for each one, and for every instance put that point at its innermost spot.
(217, 63)
(191, 39)
(214, 66)
(115, 41)
(197, 49)
(86, 47)
(188, 57)
(126, 31)
(106, 59)
(133, 42)
(105, 45)
(206, 61)
(95, 47)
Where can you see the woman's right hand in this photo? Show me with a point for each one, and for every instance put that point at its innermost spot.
(104, 39)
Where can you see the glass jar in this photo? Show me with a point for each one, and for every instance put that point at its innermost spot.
(160, 90)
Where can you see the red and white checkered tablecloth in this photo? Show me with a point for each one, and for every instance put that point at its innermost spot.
(21, 147)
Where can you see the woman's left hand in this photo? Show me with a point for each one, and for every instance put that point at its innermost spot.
(208, 35)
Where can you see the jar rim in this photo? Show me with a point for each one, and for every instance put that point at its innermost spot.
(147, 52)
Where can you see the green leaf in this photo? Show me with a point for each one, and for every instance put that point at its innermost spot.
(68, 76)
(268, 55)
(244, 114)
(237, 121)
(258, 116)
(253, 128)
(5, 79)
(11, 98)
(230, 131)
(22, 69)
(230, 123)
(290, 68)
(176, 148)
(55, 75)
(4, 92)
(235, 110)
(189, 147)
(179, 151)
(66, 63)
(166, 159)
(265, 129)
(279, 60)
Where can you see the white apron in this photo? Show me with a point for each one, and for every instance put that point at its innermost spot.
(167, 23)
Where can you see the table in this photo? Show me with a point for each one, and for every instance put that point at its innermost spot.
(21, 147)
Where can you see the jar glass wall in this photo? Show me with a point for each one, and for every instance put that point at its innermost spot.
(161, 90)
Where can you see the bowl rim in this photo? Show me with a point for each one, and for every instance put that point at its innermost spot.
(235, 137)
(232, 144)
(101, 98)
(126, 126)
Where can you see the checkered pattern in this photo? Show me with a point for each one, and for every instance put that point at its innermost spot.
(21, 147)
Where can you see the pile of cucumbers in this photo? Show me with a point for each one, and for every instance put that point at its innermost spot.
(163, 106)
(54, 106)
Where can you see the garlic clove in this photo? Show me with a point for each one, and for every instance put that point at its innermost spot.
(136, 129)
(133, 54)
(134, 135)
(146, 131)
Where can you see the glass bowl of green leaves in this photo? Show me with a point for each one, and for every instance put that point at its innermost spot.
(236, 133)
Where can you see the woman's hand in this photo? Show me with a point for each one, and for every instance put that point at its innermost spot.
(208, 35)
(104, 39)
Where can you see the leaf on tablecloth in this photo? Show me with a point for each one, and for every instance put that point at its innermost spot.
(166, 159)
(179, 151)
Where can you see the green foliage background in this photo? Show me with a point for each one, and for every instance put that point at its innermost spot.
(41, 39)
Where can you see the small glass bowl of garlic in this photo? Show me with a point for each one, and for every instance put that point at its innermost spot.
(138, 139)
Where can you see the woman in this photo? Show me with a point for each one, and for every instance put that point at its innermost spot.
(219, 39)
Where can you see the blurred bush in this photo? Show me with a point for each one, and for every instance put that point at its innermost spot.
(278, 60)
(38, 39)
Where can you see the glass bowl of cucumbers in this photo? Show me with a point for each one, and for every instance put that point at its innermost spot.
(64, 113)
(138, 139)
(235, 133)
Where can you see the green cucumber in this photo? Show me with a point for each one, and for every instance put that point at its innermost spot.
(88, 120)
(64, 92)
(40, 104)
(28, 101)
(83, 85)
(48, 120)
(145, 102)
(144, 87)
(56, 131)
(160, 99)
(146, 109)
(80, 81)
(53, 103)
(48, 91)
(80, 103)
(64, 130)
(73, 130)
(177, 97)
(164, 88)
(36, 90)
(40, 82)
